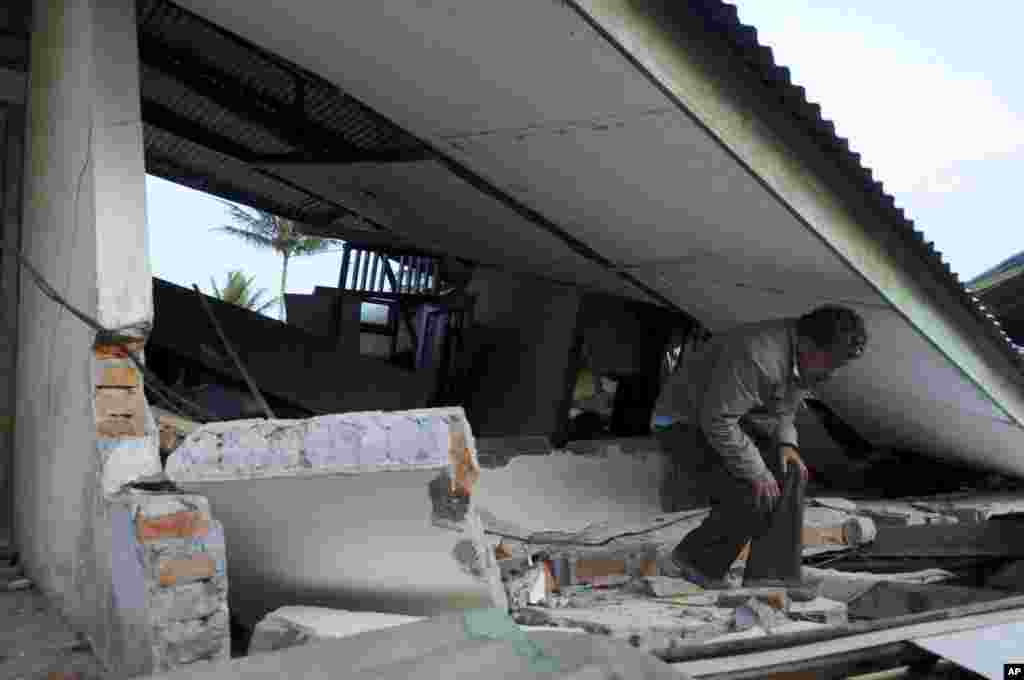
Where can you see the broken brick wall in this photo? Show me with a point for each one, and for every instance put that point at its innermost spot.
(171, 563)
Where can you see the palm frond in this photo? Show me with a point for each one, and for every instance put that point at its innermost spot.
(250, 237)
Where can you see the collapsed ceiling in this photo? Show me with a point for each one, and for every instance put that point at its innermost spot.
(520, 136)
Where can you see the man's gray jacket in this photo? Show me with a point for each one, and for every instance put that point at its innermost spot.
(748, 373)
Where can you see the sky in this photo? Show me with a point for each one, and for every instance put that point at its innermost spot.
(930, 96)
(928, 93)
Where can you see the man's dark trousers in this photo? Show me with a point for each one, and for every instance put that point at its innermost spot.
(735, 516)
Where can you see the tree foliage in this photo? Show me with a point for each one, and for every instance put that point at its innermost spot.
(270, 232)
(239, 290)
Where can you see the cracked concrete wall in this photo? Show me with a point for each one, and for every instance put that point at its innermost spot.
(341, 511)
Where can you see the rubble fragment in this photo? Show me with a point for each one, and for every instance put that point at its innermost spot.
(887, 599)
(296, 625)
(820, 610)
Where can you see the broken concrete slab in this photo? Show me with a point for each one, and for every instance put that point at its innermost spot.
(889, 599)
(650, 625)
(476, 643)
(820, 610)
(290, 626)
(339, 511)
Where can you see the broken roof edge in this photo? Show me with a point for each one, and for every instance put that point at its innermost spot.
(705, 61)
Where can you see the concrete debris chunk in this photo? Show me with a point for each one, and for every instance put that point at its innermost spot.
(757, 612)
(843, 586)
(859, 530)
(296, 625)
(480, 643)
(527, 588)
(776, 598)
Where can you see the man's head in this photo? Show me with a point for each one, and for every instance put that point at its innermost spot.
(829, 337)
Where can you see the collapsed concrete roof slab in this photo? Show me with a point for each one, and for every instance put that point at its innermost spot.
(629, 133)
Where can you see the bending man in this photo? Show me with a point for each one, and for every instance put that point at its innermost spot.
(732, 404)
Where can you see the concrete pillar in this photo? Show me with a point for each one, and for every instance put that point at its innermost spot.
(82, 423)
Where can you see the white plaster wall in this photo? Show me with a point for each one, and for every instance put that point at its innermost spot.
(364, 543)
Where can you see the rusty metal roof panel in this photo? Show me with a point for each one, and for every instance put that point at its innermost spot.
(280, 82)
(182, 161)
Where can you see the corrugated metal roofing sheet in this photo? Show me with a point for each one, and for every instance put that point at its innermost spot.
(293, 101)
(272, 77)
(722, 19)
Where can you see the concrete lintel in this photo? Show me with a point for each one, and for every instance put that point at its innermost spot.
(689, 70)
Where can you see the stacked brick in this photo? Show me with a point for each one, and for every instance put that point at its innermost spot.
(181, 550)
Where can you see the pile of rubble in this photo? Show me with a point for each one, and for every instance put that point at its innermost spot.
(863, 561)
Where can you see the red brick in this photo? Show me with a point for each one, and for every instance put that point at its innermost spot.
(187, 524)
(118, 351)
(187, 570)
(120, 412)
(119, 376)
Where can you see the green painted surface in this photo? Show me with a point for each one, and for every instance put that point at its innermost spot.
(496, 624)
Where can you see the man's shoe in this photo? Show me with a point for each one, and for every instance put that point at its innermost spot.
(669, 566)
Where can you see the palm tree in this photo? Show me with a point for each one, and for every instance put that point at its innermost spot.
(238, 290)
(265, 230)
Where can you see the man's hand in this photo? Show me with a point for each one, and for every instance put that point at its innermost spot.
(766, 493)
(791, 456)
